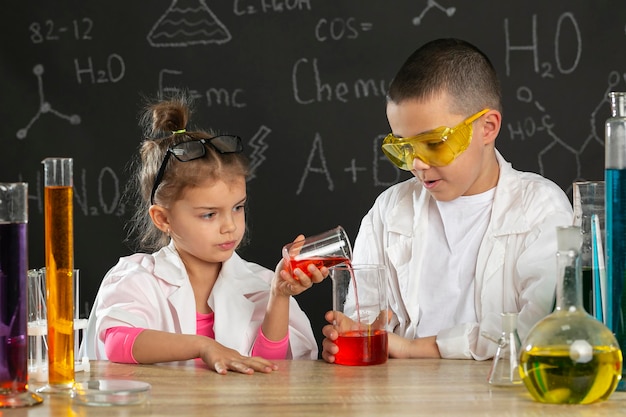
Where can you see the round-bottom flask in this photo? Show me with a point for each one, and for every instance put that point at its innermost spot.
(569, 357)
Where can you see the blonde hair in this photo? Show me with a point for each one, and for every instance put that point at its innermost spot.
(164, 124)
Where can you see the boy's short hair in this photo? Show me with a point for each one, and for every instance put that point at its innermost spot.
(452, 66)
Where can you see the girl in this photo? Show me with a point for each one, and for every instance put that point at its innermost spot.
(195, 297)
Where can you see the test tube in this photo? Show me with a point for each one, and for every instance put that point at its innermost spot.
(37, 326)
(59, 249)
(13, 288)
(615, 191)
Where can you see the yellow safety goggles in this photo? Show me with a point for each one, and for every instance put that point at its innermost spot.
(437, 147)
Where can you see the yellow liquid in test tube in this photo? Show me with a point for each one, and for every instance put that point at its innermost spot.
(58, 218)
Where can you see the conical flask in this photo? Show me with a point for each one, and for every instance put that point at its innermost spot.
(570, 357)
(505, 368)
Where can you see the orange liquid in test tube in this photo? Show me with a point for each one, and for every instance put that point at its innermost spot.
(59, 244)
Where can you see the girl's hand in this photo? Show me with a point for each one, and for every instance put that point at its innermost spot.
(223, 359)
(286, 284)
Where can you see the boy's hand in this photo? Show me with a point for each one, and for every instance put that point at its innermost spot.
(339, 321)
(329, 348)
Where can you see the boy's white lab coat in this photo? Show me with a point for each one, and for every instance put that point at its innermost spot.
(516, 266)
(153, 291)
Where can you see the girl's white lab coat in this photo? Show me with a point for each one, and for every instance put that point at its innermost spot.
(516, 265)
(153, 291)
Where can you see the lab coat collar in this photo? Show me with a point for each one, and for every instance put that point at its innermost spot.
(408, 216)
(403, 217)
(169, 267)
(508, 215)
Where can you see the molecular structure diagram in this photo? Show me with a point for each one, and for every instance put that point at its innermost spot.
(556, 143)
(44, 106)
(433, 4)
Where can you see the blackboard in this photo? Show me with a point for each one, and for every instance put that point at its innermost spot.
(303, 82)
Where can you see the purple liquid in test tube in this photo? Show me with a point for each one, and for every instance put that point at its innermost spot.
(13, 298)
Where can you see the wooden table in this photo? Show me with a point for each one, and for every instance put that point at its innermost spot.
(315, 388)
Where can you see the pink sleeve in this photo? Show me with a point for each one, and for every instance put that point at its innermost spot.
(118, 343)
(269, 349)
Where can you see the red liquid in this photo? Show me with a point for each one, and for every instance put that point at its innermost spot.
(362, 347)
(319, 262)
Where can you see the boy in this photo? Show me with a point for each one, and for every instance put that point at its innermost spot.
(469, 237)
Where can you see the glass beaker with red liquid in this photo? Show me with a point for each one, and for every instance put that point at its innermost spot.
(325, 249)
(361, 314)
(13, 297)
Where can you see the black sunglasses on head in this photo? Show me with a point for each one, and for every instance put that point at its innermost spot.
(196, 149)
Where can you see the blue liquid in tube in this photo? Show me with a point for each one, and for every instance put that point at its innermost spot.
(616, 249)
(615, 208)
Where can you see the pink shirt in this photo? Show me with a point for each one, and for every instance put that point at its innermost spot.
(118, 341)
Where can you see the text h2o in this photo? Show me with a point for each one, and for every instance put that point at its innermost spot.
(114, 72)
(336, 29)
